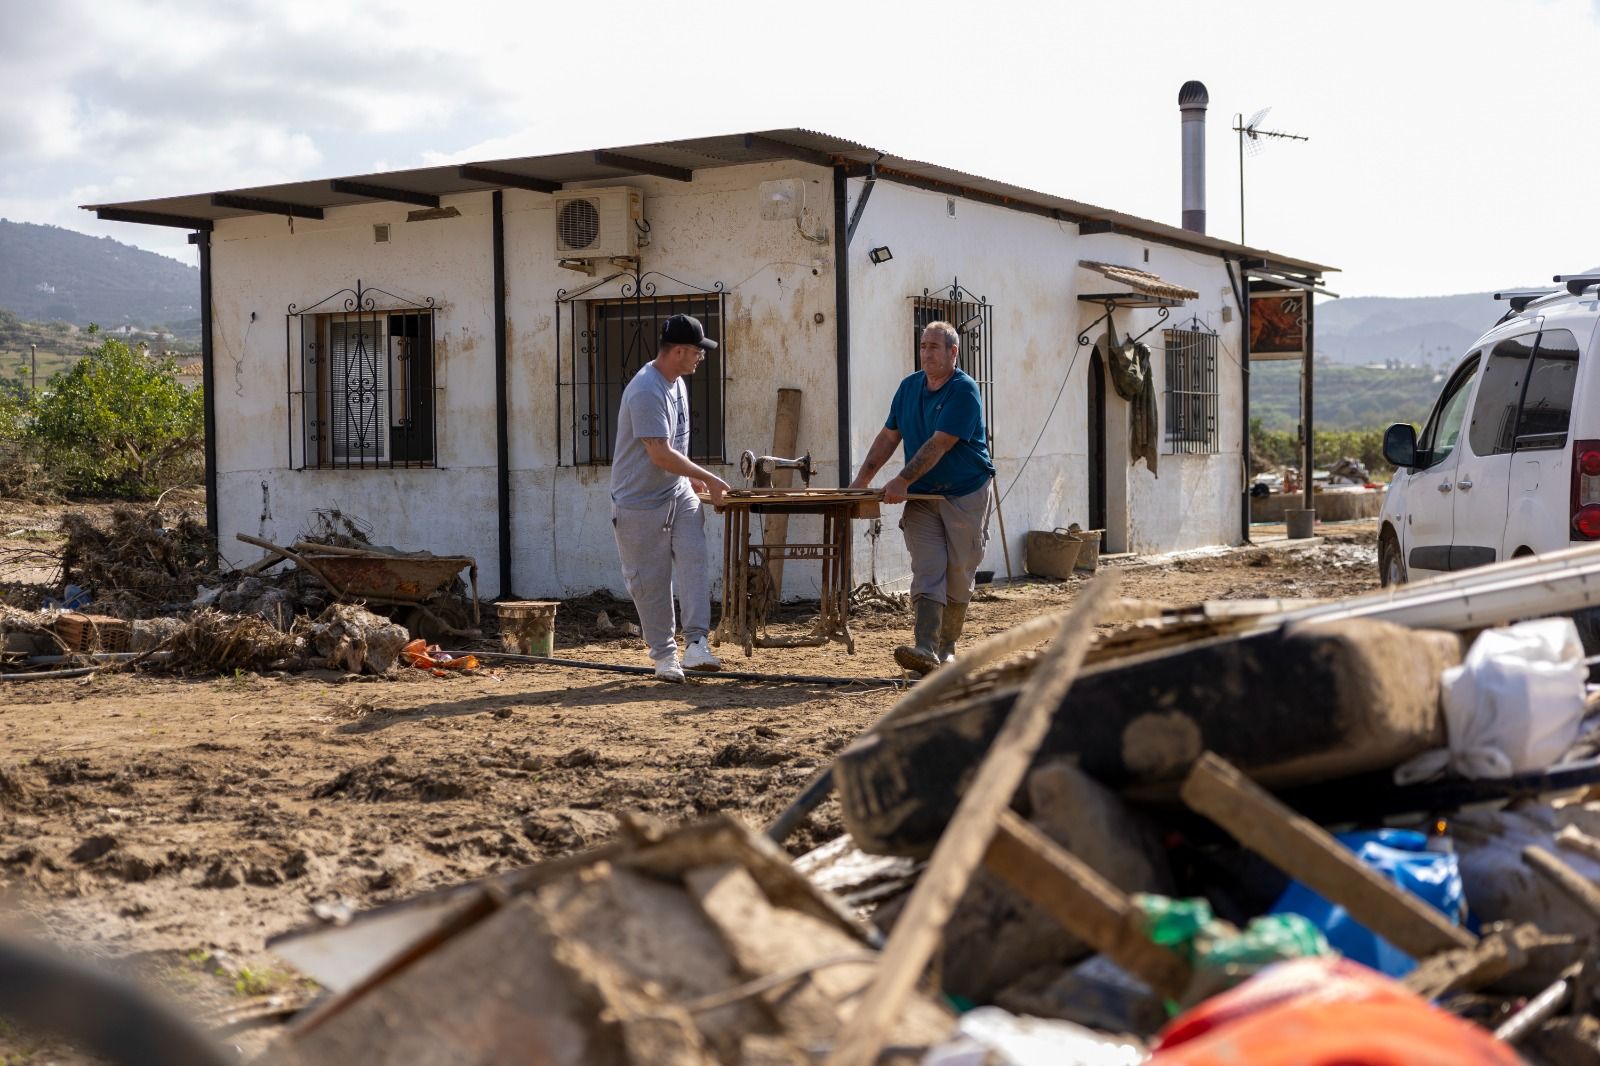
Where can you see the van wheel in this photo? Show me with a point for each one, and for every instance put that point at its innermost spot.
(1391, 566)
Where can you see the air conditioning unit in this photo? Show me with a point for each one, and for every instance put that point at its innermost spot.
(598, 223)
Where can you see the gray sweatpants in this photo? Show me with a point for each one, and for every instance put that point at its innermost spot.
(664, 549)
(946, 538)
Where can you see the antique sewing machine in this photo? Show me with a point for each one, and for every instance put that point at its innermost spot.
(758, 469)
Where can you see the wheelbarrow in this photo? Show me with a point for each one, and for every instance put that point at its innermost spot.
(416, 582)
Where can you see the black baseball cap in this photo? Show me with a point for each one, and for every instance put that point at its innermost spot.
(686, 329)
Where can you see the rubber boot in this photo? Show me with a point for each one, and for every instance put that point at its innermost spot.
(955, 616)
(923, 656)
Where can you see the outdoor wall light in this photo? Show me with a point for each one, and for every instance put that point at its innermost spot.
(881, 254)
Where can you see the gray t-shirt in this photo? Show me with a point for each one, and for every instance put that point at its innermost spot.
(651, 407)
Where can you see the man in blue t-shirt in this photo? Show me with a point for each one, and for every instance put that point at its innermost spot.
(938, 413)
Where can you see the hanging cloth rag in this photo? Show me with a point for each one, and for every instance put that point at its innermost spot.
(1131, 376)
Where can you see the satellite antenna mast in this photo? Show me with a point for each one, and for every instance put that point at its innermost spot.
(1251, 134)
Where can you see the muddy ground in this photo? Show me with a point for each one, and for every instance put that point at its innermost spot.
(175, 824)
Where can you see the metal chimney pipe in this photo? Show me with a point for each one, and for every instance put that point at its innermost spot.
(1192, 101)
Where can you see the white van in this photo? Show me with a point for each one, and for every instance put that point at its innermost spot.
(1508, 463)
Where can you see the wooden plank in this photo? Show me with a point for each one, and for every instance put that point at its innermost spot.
(970, 831)
(1579, 888)
(1304, 850)
(1086, 904)
(785, 443)
(1499, 953)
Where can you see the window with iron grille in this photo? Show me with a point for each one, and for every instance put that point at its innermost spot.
(603, 343)
(1191, 390)
(367, 396)
(971, 316)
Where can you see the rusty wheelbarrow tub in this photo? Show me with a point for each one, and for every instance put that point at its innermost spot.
(409, 579)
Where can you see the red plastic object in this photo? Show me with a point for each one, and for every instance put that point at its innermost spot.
(1324, 1012)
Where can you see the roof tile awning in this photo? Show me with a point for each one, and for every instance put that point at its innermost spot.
(1141, 281)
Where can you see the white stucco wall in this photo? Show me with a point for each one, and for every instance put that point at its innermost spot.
(259, 267)
(1027, 268)
(779, 334)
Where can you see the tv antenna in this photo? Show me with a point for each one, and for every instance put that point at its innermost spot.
(1251, 135)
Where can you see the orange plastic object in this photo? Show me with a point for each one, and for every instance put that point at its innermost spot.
(419, 653)
(1324, 1012)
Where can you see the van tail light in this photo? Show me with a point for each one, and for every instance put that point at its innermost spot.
(1586, 490)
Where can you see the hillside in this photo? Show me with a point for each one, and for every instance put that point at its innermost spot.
(1418, 331)
(52, 274)
(1346, 397)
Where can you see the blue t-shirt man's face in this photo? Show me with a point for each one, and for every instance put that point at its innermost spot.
(955, 408)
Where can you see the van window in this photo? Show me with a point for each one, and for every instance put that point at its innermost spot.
(1439, 436)
(1547, 403)
(1494, 415)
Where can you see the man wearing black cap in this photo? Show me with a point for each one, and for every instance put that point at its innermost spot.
(655, 513)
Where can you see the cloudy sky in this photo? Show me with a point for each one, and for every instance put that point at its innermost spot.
(1451, 143)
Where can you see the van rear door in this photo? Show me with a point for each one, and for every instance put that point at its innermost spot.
(1483, 471)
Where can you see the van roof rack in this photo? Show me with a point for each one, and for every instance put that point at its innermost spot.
(1576, 283)
(1521, 298)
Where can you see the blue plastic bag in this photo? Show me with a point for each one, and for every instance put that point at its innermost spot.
(1403, 856)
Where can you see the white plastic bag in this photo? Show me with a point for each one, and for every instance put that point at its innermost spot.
(1513, 706)
(990, 1036)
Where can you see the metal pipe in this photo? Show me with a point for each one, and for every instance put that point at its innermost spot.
(1309, 370)
(726, 675)
(841, 318)
(208, 380)
(1241, 296)
(501, 403)
(1192, 101)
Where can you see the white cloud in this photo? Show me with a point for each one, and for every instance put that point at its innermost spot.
(1439, 158)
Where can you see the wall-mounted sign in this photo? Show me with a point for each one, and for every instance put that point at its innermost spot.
(1278, 325)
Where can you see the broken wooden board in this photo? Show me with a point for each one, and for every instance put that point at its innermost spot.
(1303, 704)
(961, 848)
(1085, 903)
(1311, 854)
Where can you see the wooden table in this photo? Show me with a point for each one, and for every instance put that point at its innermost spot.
(746, 576)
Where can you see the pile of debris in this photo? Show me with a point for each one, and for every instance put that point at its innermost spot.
(146, 591)
(1362, 831)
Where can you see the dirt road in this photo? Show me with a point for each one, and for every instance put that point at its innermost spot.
(170, 820)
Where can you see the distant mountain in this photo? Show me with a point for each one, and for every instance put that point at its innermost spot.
(52, 274)
(1416, 331)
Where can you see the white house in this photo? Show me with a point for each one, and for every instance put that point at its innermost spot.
(439, 351)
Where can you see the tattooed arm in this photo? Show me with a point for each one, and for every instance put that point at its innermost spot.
(883, 446)
(927, 456)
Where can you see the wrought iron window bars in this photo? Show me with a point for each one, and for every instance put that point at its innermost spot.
(603, 340)
(368, 393)
(1191, 388)
(972, 316)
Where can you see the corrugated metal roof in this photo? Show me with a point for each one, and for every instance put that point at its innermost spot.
(699, 153)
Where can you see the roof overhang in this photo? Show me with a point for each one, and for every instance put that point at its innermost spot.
(674, 160)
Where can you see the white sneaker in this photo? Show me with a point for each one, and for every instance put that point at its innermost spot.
(668, 669)
(697, 656)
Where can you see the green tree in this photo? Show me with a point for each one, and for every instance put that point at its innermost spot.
(118, 422)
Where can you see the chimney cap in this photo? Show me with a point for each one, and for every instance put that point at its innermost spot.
(1193, 94)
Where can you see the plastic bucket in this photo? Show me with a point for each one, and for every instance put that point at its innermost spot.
(528, 627)
(1089, 549)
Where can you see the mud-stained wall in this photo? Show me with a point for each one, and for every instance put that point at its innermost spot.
(1027, 268)
(779, 334)
(261, 265)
